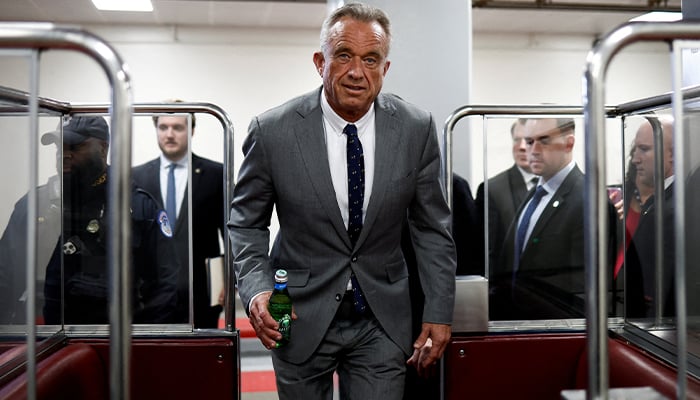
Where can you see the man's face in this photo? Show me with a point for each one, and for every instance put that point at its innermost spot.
(548, 149)
(643, 155)
(83, 161)
(172, 136)
(353, 66)
(519, 147)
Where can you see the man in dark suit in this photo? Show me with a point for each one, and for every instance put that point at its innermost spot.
(348, 281)
(207, 218)
(506, 191)
(543, 278)
(641, 297)
(71, 230)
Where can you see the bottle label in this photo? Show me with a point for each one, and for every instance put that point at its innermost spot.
(285, 328)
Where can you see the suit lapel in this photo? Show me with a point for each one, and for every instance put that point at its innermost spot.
(152, 182)
(196, 172)
(556, 203)
(386, 142)
(312, 147)
(518, 189)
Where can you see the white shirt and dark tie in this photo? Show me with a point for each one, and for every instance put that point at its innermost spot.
(550, 187)
(336, 147)
(180, 175)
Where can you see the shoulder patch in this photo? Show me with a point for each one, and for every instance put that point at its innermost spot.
(164, 223)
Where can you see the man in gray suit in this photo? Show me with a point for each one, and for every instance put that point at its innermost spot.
(351, 293)
(505, 193)
(543, 278)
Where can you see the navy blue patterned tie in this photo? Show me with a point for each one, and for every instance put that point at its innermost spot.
(171, 198)
(524, 223)
(356, 198)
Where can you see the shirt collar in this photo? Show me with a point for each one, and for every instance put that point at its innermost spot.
(165, 163)
(552, 185)
(338, 123)
(527, 176)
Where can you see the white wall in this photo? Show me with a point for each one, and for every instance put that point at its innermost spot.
(246, 71)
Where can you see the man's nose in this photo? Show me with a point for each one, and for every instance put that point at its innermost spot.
(355, 67)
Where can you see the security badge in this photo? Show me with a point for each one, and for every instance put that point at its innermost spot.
(164, 223)
(93, 226)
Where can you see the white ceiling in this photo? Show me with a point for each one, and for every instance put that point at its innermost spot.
(307, 14)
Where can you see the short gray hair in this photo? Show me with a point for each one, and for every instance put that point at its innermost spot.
(359, 12)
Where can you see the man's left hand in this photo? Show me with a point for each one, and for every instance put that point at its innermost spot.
(428, 348)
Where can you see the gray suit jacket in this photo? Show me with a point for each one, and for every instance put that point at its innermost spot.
(286, 166)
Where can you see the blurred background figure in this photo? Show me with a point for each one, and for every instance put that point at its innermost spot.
(540, 275)
(506, 191)
(77, 267)
(640, 227)
(207, 211)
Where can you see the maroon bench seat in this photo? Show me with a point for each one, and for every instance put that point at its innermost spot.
(540, 366)
(180, 368)
(74, 372)
(630, 366)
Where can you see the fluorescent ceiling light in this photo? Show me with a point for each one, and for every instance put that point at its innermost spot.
(658, 16)
(123, 5)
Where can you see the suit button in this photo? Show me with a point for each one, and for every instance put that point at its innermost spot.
(354, 259)
(338, 297)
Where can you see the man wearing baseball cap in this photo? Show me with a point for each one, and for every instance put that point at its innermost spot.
(75, 230)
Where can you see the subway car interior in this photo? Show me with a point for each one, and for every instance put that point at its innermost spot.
(597, 329)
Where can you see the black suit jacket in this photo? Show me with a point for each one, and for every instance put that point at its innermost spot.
(207, 225)
(507, 191)
(640, 261)
(550, 279)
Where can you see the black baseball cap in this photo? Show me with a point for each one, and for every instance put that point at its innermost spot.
(77, 129)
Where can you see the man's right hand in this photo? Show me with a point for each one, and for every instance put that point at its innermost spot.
(265, 326)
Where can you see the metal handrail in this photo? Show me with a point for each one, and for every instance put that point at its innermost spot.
(48, 36)
(596, 223)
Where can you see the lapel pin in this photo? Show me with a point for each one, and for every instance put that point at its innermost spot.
(555, 204)
(197, 170)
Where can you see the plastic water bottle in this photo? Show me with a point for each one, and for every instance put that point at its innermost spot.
(280, 306)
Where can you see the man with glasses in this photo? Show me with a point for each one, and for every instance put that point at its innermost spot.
(540, 273)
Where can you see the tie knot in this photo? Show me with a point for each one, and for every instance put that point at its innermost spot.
(350, 130)
(172, 166)
(540, 192)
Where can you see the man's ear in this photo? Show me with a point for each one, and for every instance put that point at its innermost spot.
(319, 62)
(570, 140)
(104, 149)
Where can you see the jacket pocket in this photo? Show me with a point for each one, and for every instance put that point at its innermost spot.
(297, 277)
(396, 271)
